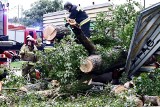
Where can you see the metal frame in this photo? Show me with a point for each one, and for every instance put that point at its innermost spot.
(145, 39)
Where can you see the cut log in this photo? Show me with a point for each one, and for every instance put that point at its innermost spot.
(129, 84)
(0, 86)
(118, 89)
(53, 84)
(153, 100)
(62, 31)
(51, 31)
(91, 63)
(136, 100)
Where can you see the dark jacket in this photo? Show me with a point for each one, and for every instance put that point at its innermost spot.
(77, 14)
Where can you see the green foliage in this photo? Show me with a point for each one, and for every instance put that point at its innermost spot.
(111, 57)
(148, 83)
(34, 16)
(100, 34)
(89, 99)
(62, 61)
(120, 25)
(16, 64)
(10, 82)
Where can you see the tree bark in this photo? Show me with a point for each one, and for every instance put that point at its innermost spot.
(88, 45)
(136, 100)
(118, 89)
(62, 31)
(153, 100)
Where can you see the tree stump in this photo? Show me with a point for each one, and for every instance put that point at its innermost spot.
(91, 63)
(136, 100)
(153, 100)
(118, 89)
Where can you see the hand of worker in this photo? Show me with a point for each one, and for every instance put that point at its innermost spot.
(71, 21)
(67, 24)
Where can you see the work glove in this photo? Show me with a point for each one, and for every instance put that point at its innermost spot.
(67, 24)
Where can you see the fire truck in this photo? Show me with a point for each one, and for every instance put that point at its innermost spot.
(19, 33)
(12, 37)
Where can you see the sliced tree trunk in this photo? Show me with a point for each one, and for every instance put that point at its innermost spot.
(136, 100)
(118, 89)
(91, 63)
(0, 86)
(129, 84)
(106, 62)
(50, 32)
(153, 100)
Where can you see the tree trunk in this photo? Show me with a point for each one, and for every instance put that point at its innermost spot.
(50, 32)
(88, 45)
(91, 63)
(62, 31)
(105, 63)
(136, 100)
(153, 100)
(118, 89)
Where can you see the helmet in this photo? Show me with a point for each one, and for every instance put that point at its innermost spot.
(30, 39)
(66, 5)
(29, 36)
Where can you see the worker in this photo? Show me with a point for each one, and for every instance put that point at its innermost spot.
(78, 16)
(28, 55)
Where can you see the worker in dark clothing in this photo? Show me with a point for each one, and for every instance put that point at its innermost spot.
(78, 16)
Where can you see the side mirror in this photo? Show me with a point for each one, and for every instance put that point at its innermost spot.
(7, 5)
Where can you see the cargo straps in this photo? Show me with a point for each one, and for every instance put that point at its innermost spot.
(84, 21)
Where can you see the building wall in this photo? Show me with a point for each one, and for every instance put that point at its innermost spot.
(57, 18)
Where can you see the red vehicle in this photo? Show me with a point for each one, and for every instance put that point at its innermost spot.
(4, 43)
(12, 37)
(19, 33)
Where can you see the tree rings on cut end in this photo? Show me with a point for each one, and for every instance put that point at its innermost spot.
(91, 63)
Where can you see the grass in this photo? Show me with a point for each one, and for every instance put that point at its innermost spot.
(17, 64)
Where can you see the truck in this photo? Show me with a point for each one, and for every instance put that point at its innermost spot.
(13, 37)
(19, 33)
